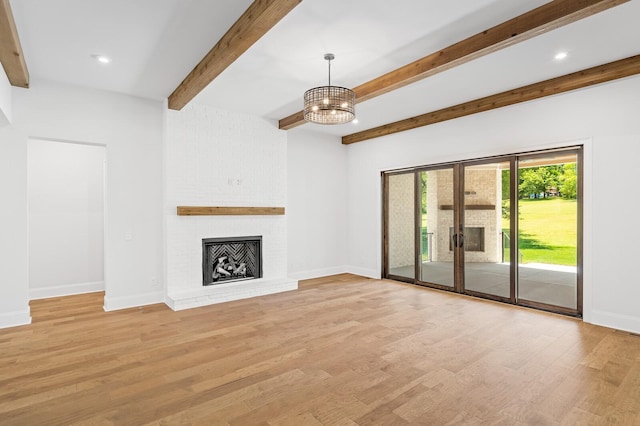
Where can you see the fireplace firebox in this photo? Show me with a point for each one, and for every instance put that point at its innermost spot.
(231, 259)
(473, 239)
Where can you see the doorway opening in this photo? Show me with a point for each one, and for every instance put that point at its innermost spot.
(66, 218)
(505, 228)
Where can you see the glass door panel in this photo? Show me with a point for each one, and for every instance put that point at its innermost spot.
(487, 189)
(436, 221)
(505, 228)
(548, 229)
(400, 232)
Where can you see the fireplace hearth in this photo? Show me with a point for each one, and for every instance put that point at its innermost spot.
(231, 259)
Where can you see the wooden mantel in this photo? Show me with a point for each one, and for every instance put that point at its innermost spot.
(228, 211)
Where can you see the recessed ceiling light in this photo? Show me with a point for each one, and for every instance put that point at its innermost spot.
(101, 58)
(561, 55)
(354, 121)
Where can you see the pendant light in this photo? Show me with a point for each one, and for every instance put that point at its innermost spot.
(329, 104)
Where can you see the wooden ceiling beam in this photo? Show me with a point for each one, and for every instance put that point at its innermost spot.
(588, 77)
(545, 18)
(11, 55)
(255, 22)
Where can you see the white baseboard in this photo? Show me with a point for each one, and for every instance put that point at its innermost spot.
(219, 293)
(317, 273)
(116, 303)
(65, 290)
(617, 321)
(15, 318)
(365, 272)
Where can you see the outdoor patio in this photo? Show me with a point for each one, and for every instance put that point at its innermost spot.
(545, 283)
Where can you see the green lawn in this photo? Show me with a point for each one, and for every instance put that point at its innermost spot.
(548, 231)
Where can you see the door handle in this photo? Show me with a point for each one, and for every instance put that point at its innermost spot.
(456, 240)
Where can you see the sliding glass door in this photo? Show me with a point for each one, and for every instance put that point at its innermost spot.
(487, 230)
(399, 230)
(436, 201)
(505, 228)
(549, 230)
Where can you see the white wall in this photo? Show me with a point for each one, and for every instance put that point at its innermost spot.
(317, 207)
(221, 158)
(131, 130)
(604, 118)
(14, 289)
(66, 218)
(5, 99)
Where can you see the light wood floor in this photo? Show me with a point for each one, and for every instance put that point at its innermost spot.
(342, 350)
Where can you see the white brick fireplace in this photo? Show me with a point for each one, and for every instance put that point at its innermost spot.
(220, 158)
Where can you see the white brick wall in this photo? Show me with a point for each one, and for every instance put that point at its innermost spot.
(220, 158)
(484, 185)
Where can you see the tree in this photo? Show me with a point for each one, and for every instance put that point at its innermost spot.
(506, 183)
(531, 182)
(539, 180)
(506, 196)
(568, 184)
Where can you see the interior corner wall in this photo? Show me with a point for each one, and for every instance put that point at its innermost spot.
(603, 118)
(316, 208)
(131, 130)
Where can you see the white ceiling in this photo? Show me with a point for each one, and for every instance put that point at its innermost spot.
(155, 43)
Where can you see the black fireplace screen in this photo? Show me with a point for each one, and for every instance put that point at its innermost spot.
(231, 259)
